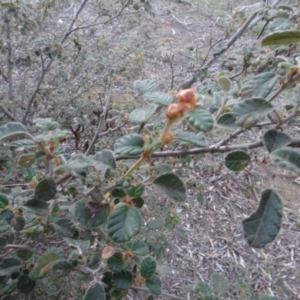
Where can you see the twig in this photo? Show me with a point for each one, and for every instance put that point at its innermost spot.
(22, 247)
(101, 122)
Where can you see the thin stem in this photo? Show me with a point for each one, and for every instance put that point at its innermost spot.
(101, 122)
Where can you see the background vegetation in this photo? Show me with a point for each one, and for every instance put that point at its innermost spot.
(115, 185)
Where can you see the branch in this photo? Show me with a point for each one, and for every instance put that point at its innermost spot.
(100, 23)
(7, 113)
(47, 67)
(101, 122)
(251, 21)
(211, 149)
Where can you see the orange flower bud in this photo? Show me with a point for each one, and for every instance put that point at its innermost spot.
(187, 96)
(172, 111)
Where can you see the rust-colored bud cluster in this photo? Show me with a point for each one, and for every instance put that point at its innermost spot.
(186, 101)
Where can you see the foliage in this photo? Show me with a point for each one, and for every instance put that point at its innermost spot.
(90, 206)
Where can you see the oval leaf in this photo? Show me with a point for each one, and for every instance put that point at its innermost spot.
(95, 292)
(65, 227)
(139, 247)
(26, 160)
(286, 158)
(90, 213)
(12, 130)
(122, 280)
(131, 144)
(284, 37)
(116, 263)
(237, 160)
(124, 223)
(224, 83)
(9, 266)
(227, 121)
(171, 185)
(144, 86)
(142, 115)
(263, 225)
(251, 111)
(45, 190)
(191, 137)
(159, 98)
(147, 267)
(200, 119)
(260, 86)
(274, 140)
(3, 201)
(154, 285)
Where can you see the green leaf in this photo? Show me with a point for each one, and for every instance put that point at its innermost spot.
(142, 115)
(45, 190)
(163, 99)
(116, 263)
(95, 292)
(9, 266)
(12, 130)
(139, 247)
(122, 280)
(25, 284)
(200, 119)
(3, 201)
(38, 207)
(171, 185)
(147, 267)
(284, 37)
(26, 160)
(263, 225)
(135, 191)
(260, 86)
(124, 223)
(106, 157)
(203, 288)
(22, 144)
(251, 111)
(219, 283)
(144, 86)
(286, 158)
(91, 213)
(227, 121)
(6, 214)
(237, 160)
(43, 265)
(62, 268)
(131, 144)
(65, 227)
(191, 137)
(154, 285)
(274, 140)
(224, 83)
(24, 254)
(156, 224)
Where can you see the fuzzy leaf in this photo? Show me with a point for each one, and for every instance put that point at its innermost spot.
(263, 225)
